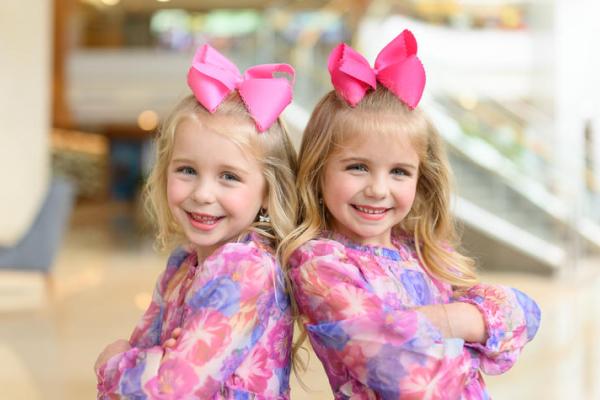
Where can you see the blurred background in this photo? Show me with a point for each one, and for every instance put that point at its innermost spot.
(513, 88)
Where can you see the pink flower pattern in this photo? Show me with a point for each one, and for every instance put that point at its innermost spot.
(255, 375)
(358, 303)
(229, 314)
(175, 379)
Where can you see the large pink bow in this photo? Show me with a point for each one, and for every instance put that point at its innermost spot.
(396, 67)
(212, 77)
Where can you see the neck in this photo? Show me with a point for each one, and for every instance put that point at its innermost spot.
(203, 252)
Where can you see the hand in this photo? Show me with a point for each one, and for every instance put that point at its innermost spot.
(170, 343)
(116, 347)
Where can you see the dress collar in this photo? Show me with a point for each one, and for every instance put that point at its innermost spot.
(400, 251)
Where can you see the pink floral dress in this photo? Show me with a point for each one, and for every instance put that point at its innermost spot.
(236, 331)
(358, 300)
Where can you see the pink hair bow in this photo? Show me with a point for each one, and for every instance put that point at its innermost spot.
(397, 67)
(212, 77)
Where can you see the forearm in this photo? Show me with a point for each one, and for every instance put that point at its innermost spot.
(460, 320)
(114, 377)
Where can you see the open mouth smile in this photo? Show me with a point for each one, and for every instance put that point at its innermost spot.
(370, 213)
(203, 222)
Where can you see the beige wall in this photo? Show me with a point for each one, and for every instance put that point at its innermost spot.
(25, 79)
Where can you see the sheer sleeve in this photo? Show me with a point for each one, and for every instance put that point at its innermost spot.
(511, 318)
(227, 318)
(147, 331)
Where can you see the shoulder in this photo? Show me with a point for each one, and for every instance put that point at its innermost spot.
(407, 245)
(408, 252)
(178, 257)
(235, 256)
(320, 248)
(327, 260)
(323, 266)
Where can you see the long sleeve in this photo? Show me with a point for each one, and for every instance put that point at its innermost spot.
(395, 352)
(225, 316)
(511, 318)
(147, 331)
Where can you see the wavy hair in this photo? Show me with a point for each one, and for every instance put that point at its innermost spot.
(272, 148)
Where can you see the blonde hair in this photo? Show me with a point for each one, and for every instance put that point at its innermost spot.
(272, 148)
(334, 123)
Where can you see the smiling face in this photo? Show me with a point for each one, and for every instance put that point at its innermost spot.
(369, 186)
(214, 188)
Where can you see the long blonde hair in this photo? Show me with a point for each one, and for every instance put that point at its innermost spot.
(272, 148)
(430, 222)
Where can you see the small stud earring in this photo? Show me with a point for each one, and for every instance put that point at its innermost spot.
(263, 216)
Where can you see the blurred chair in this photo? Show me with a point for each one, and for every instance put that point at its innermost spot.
(38, 248)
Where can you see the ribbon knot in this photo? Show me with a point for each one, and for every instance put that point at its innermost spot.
(397, 67)
(212, 77)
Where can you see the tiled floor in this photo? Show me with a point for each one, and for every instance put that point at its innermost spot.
(51, 330)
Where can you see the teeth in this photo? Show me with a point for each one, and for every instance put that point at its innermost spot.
(370, 210)
(205, 219)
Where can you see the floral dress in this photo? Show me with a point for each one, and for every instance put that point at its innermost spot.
(358, 303)
(236, 331)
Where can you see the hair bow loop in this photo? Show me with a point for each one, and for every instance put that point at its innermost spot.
(351, 74)
(212, 77)
(265, 95)
(399, 49)
(400, 70)
(406, 80)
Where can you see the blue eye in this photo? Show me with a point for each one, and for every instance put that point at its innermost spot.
(357, 167)
(186, 170)
(400, 172)
(228, 176)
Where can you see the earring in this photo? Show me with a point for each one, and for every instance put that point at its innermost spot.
(263, 216)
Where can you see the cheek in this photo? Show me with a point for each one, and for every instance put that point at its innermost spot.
(334, 187)
(236, 204)
(246, 201)
(408, 194)
(176, 191)
(331, 193)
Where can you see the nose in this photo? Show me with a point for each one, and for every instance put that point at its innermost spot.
(204, 192)
(377, 187)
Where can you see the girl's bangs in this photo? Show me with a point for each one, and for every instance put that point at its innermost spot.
(238, 129)
(358, 124)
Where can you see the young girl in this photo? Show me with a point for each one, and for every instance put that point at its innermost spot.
(219, 325)
(391, 309)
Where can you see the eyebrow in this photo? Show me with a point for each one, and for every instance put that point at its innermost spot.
(233, 168)
(181, 160)
(229, 167)
(367, 161)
